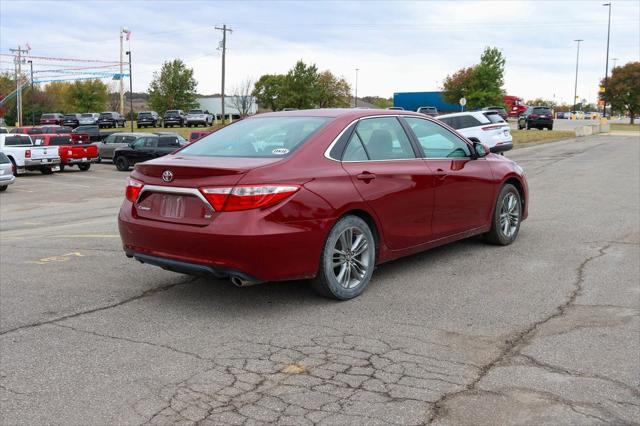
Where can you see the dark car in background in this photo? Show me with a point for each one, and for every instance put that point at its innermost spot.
(536, 117)
(148, 119)
(428, 110)
(71, 120)
(500, 110)
(145, 148)
(93, 131)
(198, 134)
(111, 119)
(174, 117)
(51, 118)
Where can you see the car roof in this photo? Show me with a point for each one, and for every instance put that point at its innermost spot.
(461, 114)
(354, 113)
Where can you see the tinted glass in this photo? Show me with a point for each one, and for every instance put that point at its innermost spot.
(494, 117)
(172, 113)
(106, 115)
(384, 139)
(70, 116)
(3, 130)
(461, 121)
(4, 159)
(541, 111)
(257, 137)
(60, 140)
(47, 116)
(196, 111)
(436, 141)
(144, 115)
(355, 150)
(17, 140)
(87, 115)
(168, 141)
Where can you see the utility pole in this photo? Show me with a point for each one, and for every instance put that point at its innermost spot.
(18, 71)
(122, 32)
(606, 68)
(575, 89)
(355, 102)
(33, 113)
(224, 30)
(130, 91)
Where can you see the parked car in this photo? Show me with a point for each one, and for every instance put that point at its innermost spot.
(173, 117)
(25, 156)
(500, 110)
(181, 140)
(94, 133)
(52, 118)
(562, 115)
(26, 130)
(71, 120)
(198, 134)
(72, 153)
(108, 145)
(6, 172)
(486, 127)
(111, 119)
(144, 148)
(427, 110)
(536, 117)
(148, 119)
(4, 130)
(196, 117)
(343, 191)
(89, 118)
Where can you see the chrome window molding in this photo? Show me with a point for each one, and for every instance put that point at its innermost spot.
(174, 190)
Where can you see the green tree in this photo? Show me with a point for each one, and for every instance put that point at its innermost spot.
(88, 96)
(332, 91)
(624, 89)
(173, 87)
(481, 84)
(378, 101)
(301, 88)
(59, 92)
(269, 90)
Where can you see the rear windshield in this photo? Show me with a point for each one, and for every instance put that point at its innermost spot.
(70, 116)
(541, 111)
(105, 115)
(196, 111)
(461, 121)
(4, 159)
(48, 116)
(62, 129)
(494, 117)
(60, 140)
(172, 113)
(144, 114)
(86, 115)
(17, 140)
(259, 137)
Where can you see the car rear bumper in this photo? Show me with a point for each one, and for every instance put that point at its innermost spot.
(501, 147)
(246, 244)
(39, 163)
(546, 122)
(7, 180)
(72, 161)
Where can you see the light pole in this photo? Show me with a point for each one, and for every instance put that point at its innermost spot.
(606, 67)
(33, 114)
(130, 91)
(614, 64)
(355, 102)
(575, 88)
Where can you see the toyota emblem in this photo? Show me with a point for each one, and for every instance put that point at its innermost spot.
(167, 176)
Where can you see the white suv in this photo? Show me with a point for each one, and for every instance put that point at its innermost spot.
(486, 127)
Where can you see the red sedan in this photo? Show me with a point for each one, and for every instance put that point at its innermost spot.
(318, 194)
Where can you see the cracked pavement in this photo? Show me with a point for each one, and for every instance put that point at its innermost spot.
(545, 331)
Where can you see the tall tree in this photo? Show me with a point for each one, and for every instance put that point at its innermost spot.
(173, 87)
(457, 85)
(88, 96)
(624, 89)
(269, 90)
(301, 86)
(332, 91)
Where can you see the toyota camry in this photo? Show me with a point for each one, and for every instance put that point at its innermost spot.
(324, 195)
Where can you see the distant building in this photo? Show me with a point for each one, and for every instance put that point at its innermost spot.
(213, 104)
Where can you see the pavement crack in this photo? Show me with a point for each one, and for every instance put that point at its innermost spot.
(146, 293)
(513, 344)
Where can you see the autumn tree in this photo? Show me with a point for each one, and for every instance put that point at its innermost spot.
(623, 91)
(456, 86)
(173, 87)
(332, 91)
(241, 98)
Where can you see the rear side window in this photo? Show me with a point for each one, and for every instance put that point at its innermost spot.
(461, 121)
(4, 159)
(494, 117)
(17, 140)
(168, 141)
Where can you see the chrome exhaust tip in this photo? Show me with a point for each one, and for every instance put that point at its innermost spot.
(241, 282)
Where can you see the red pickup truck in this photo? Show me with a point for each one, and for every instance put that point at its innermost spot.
(74, 149)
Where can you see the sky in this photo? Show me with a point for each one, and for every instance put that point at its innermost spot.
(398, 46)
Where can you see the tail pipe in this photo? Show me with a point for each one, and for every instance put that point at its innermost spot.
(242, 282)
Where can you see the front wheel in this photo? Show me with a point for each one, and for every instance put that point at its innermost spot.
(3, 188)
(84, 167)
(122, 164)
(347, 261)
(507, 216)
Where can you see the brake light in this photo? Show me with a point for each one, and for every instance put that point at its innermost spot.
(247, 197)
(497, 126)
(133, 189)
(27, 153)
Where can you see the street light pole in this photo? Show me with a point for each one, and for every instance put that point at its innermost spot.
(33, 113)
(606, 69)
(130, 91)
(575, 88)
(355, 102)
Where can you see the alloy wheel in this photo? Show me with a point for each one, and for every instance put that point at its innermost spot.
(509, 215)
(350, 259)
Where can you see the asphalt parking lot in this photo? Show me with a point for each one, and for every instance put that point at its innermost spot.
(545, 331)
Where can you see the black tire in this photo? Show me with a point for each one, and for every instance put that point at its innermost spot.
(498, 234)
(122, 164)
(84, 167)
(550, 128)
(62, 167)
(327, 282)
(14, 168)
(3, 188)
(99, 159)
(47, 170)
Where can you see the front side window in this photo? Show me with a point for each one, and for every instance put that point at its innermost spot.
(436, 141)
(168, 142)
(257, 137)
(384, 139)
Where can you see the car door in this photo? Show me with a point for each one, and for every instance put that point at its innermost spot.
(108, 145)
(464, 191)
(396, 184)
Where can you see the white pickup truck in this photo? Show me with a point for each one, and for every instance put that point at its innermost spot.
(26, 156)
(196, 117)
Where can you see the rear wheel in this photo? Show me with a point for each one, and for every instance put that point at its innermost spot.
(84, 167)
(347, 260)
(122, 164)
(47, 170)
(99, 159)
(506, 217)
(62, 167)
(3, 188)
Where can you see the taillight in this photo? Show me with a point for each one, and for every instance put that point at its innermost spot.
(533, 116)
(133, 189)
(27, 153)
(247, 197)
(497, 126)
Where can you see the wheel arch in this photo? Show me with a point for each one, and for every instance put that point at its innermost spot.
(371, 222)
(513, 180)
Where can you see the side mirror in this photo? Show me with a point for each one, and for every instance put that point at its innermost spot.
(481, 149)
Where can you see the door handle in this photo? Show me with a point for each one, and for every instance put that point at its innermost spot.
(441, 174)
(366, 176)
